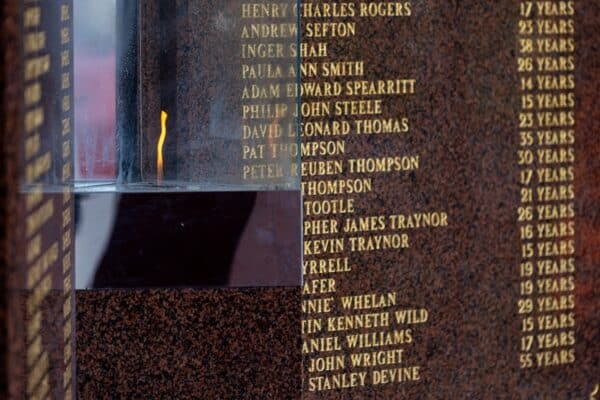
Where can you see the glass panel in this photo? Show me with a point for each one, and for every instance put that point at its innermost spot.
(178, 96)
(188, 239)
(187, 147)
(173, 99)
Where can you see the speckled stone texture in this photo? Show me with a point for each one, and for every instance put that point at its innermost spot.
(464, 126)
(189, 344)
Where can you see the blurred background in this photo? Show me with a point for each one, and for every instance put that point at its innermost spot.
(95, 44)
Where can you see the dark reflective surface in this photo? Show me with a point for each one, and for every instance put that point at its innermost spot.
(209, 239)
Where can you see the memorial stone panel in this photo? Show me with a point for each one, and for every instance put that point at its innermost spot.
(37, 232)
(447, 159)
(450, 185)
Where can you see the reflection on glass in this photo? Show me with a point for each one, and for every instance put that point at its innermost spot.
(186, 145)
(178, 96)
(95, 89)
(236, 239)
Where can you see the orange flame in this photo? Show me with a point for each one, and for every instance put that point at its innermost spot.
(160, 145)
